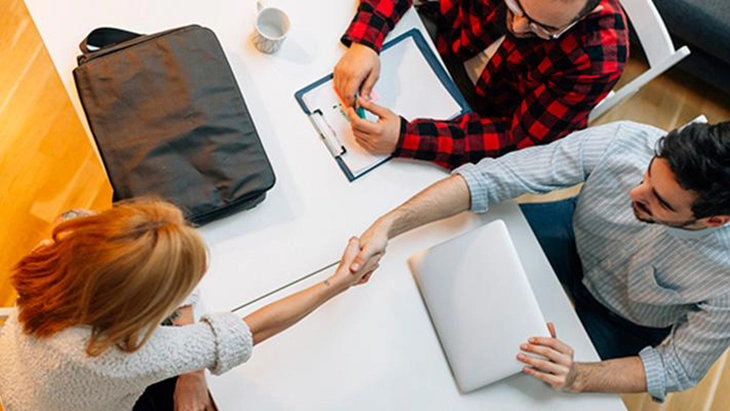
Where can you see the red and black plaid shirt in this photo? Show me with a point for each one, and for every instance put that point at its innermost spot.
(532, 91)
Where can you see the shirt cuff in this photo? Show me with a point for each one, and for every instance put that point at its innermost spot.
(654, 369)
(233, 341)
(477, 191)
(366, 29)
(399, 152)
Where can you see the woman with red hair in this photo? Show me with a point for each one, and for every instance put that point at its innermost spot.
(86, 334)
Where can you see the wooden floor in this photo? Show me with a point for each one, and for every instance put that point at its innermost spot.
(49, 164)
(667, 102)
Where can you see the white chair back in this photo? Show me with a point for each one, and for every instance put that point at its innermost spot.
(657, 45)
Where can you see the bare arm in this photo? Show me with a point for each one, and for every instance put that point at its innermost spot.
(280, 315)
(620, 375)
(276, 317)
(440, 200)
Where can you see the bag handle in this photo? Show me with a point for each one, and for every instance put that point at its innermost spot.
(105, 37)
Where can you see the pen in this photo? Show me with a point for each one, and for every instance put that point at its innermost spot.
(359, 110)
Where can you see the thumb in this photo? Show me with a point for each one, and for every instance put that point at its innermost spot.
(373, 108)
(362, 258)
(353, 247)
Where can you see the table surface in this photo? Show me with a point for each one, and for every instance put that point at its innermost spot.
(373, 347)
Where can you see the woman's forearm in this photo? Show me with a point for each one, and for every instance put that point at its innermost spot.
(280, 315)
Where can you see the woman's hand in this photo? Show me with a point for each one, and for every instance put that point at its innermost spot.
(191, 393)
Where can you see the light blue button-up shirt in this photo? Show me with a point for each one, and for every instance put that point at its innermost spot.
(652, 275)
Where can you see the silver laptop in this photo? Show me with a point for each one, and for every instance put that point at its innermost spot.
(480, 303)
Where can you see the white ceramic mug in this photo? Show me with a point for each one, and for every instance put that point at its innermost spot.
(272, 26)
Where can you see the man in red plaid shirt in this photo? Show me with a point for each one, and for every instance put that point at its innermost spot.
(548, 63)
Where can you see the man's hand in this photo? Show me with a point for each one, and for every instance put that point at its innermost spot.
(357, 70)
(191, 393)
(556, 367)
(372, 248)
(377, 138)
(343, 278)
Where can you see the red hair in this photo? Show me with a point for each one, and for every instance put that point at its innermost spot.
(121, 272)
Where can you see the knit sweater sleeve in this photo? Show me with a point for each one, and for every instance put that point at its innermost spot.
(57, 373)
(218, 342)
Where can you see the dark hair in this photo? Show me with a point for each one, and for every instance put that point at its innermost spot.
(699, 157)
(590, 5)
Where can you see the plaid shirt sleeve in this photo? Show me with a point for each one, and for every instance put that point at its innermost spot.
(549, 112)
(373, 21)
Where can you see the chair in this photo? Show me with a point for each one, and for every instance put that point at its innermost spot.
(657, 45)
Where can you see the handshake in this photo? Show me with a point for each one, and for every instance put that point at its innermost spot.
(361, 257)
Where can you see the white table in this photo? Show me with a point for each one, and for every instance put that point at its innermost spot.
(308, 216)
(373, 347)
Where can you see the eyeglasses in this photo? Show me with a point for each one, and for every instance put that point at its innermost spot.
(538, 29)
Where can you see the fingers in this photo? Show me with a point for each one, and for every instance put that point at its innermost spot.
(350, 90)
(353, 246)
(370, 135)
(368, 105)
(359, 124)
(551, 379)
(347, 82)
(366, 133)
(368, 255)
(553, 343)
(369, 83)
(367, 276)
(551, 328)
(358, 68)
(548, 353)
(543, 365)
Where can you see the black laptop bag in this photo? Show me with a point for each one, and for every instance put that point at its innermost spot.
(169, 120)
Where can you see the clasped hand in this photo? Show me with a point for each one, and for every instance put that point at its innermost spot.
(344, 277)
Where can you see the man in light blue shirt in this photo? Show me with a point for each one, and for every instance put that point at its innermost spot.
(644, 249)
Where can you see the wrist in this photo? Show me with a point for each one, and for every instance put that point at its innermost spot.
(333, 285)
(363, 45)
(198, 375)
(578, 381)
(385, 225)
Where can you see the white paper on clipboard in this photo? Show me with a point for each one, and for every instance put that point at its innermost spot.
(408, 86)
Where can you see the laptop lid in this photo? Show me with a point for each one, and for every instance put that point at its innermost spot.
(480, 302)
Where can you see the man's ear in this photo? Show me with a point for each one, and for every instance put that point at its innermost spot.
(715, 221)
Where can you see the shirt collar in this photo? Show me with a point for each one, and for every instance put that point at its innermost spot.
(694, 234)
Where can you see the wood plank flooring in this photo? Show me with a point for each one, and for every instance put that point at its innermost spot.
(47, 160)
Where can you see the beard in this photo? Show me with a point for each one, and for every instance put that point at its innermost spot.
(636, 207)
